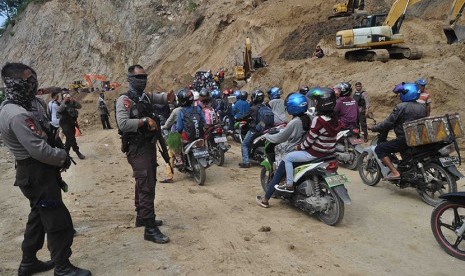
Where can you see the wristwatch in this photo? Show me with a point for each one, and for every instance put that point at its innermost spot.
(144, 120)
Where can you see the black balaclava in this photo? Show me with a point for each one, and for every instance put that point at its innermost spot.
(137, 84)
(21, 92)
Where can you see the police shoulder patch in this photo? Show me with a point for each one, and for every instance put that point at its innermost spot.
(127, 103)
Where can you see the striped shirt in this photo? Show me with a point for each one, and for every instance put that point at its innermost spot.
(321, 138)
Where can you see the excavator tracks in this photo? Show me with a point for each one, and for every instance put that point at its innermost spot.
(368, 55)
(383, 55)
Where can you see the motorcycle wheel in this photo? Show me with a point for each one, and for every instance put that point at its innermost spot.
(368, 169)
(218, 156)
(334, 214)
(446, 184)
(352, 165)
(445, 219)
(237, 136)
(199, 174)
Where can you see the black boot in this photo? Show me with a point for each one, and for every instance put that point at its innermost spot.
(27, 268)
(140, 222)
(80, 155)
(152, 233)
(67, 269)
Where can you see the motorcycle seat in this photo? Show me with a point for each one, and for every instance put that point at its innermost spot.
(321, 159)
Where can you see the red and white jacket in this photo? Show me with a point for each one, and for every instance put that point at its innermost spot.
(321, 138)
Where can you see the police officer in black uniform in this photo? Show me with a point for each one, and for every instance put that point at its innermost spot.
(68, 123)
(137, 122)
(37, 175)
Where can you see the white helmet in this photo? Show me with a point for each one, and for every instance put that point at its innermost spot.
(196, 95)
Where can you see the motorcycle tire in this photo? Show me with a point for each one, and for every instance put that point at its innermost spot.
(448, 184)
(199, 174)
(445, 219)
(352, 165)
(336, 210)
(368, 167)
(218, 156)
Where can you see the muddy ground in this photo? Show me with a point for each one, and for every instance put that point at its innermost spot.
(215, 229)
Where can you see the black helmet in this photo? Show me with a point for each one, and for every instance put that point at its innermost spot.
(257, 96)
(304, 89)
(204, 93)
(244, 95)
(345, 88)
(324, 99)
(185, 97)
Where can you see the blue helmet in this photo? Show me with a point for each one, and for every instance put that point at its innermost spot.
(237, 94)
(296, 104)
(410, 92)
(216, 94)
(274, 93)
(421, 82)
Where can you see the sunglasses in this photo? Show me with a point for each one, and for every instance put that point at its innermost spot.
(141, 76)
(32, 79)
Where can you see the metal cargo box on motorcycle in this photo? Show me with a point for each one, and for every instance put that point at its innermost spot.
(433, 129)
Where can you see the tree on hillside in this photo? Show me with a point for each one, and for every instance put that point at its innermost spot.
(9, 8)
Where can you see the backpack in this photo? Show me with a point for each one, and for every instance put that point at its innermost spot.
(193, 124)
(359, 99)
(210, 116)
(265, 119)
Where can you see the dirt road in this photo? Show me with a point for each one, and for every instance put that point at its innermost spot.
(214, 229)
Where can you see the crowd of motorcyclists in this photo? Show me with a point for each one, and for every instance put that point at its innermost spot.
(316, 116)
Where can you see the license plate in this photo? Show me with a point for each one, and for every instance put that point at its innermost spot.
(200, 153)
(336, 180)
(449, 161)
(221, 139)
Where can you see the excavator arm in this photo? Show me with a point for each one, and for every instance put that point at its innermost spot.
(396, 15)
(455, 33)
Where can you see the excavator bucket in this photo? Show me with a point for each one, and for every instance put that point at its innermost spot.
(454, 34)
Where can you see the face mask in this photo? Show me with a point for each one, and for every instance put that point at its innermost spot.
(137, 83)
(20, 91)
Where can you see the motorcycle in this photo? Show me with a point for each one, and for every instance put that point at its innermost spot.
(217, 143)
(319, 189)
(347, 142)
(240, 130)
(448, 224)
(195, 159)
(428, 168)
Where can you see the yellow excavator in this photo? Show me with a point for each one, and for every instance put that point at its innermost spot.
(348, 8)
(378, 36)
(250, 63)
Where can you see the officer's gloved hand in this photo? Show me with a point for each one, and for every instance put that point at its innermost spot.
(66, 164)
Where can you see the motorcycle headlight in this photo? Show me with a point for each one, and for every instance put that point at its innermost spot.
(445, 151)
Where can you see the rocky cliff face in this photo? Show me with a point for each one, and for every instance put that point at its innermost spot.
(174, 38)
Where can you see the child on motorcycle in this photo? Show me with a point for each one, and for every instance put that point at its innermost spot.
(320, 141)
(206, 104)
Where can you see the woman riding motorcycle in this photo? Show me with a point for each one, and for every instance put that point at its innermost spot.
(324, 127)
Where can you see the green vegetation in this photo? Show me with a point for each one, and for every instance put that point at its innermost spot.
(10, 9)
(191, 6)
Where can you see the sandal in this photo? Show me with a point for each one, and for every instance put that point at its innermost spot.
(262, 203)
(389, 177)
